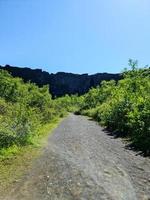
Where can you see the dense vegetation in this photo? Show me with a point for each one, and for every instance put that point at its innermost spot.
(70, 103)
(24, 109)
(28, 113)
(123, 107)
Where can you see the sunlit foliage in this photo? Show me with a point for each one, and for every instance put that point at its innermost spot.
(124, 107)
(24, 108)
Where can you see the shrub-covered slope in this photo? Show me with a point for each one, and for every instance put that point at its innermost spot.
(24, 109)
(123, 107)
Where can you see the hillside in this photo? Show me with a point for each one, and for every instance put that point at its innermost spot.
(61, 83)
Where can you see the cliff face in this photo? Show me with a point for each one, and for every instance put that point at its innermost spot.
(61, 83)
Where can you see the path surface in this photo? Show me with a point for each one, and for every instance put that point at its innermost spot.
(82, 162)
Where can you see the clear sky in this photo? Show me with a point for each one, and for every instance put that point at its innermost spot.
(80, 36)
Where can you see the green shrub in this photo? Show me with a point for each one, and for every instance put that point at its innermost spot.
(123, 107)
(24, 108)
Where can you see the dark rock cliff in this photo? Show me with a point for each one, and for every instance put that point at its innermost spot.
(61, 83)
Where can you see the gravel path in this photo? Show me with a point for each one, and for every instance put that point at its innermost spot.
(82, 162)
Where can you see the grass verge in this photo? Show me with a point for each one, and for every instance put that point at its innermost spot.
(15, 161)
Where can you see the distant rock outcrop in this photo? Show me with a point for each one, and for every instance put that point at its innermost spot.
(61, 83)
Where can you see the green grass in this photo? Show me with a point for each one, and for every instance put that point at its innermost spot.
(15, 161)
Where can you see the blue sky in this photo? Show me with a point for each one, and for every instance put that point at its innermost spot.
(79, 36)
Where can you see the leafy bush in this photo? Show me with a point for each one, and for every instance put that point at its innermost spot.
(24, 108)
(123, 107)
(69, 103)
(18, 125)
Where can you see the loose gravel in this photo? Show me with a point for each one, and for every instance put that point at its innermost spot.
(83, 162)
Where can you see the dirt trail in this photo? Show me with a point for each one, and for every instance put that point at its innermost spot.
(82, 162)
